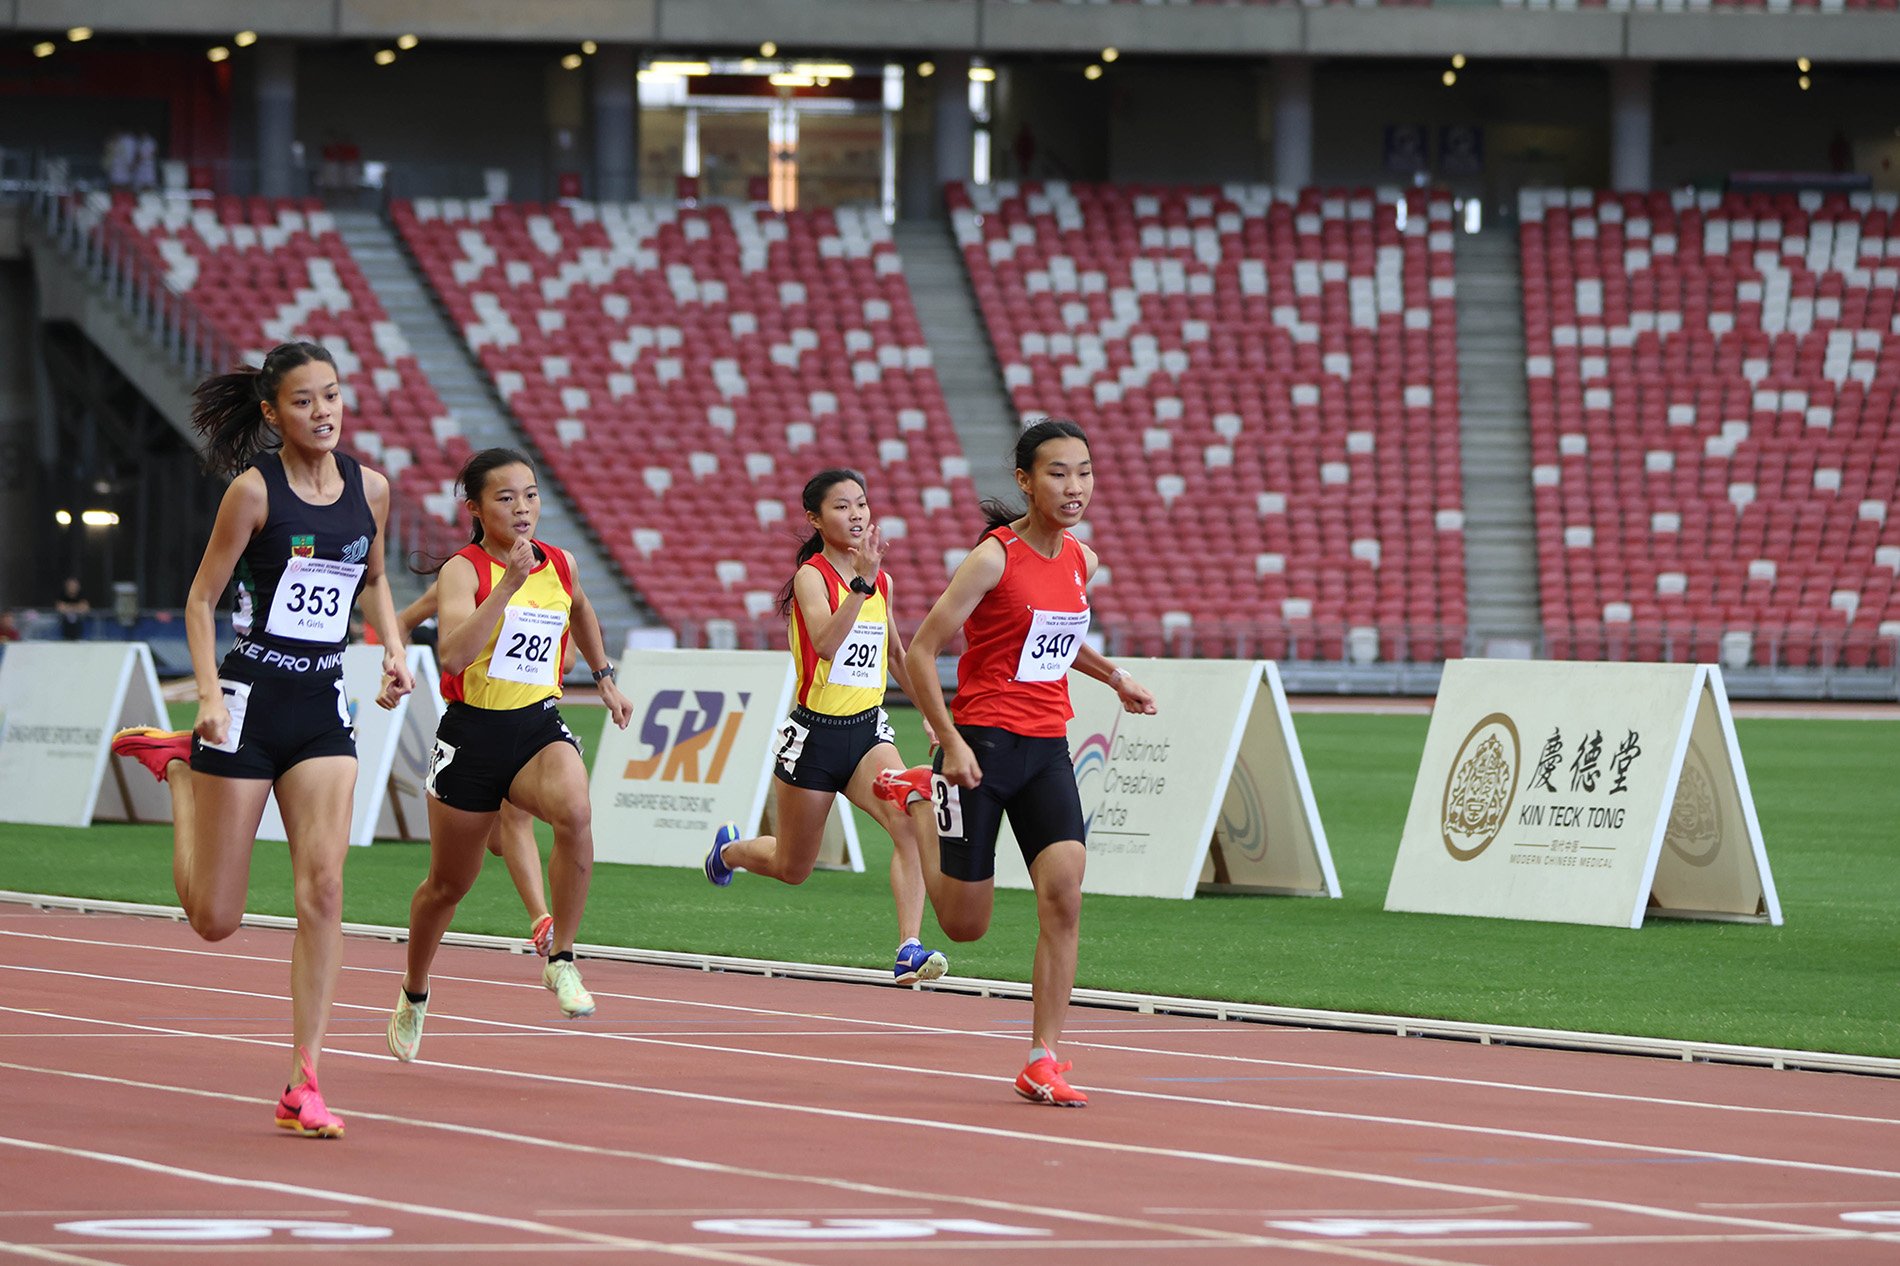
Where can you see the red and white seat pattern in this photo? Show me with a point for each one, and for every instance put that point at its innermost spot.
(1714, 425)
(263, 271)
(686, 369)
(1270, 389)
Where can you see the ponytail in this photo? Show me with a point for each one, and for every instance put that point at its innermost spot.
(999, 513)
(813, 499)
(228, 409)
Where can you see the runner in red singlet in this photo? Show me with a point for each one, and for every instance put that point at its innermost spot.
(1021, 600)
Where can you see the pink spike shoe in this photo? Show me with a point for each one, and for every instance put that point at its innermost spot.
(899, 785)
(152, 747)
(302, 1109)
(542, 934)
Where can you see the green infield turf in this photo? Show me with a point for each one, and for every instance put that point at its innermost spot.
(1824, 790)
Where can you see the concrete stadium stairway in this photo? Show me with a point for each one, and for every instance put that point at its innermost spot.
(980, 407)
(445, 358)
(1495, 441)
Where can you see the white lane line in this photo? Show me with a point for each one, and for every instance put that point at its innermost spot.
(1191, 1234)
(39, 1254)
(865, 1022)
(1232, 1105)
(410, 1207)
(1133, 1149)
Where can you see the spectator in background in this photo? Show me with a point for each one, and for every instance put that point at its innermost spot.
(121, 157)
(145, 164)
(73, 610)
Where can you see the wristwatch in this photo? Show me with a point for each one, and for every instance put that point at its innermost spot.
(611, 671)
(860, 585)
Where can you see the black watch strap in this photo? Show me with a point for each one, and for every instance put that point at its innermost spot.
(860, 585)
(611, 671)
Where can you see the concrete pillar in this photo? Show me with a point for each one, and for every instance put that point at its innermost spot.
(1292, 122)
(276, 70)
(955, 133)
(918, 196)
(616, 110)
(1632, 124)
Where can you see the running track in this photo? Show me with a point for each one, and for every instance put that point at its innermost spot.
(721, 1117)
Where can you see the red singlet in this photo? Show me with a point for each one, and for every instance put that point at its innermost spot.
(1021, 639)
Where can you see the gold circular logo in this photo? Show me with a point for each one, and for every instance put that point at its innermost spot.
(1481, 787)
(1695, 821)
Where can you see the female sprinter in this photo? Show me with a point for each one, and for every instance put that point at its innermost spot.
(303, 528)
(507, 608)
(512, 840)
(1021, 600)
(837, 737)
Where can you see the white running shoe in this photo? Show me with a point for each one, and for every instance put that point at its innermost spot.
(564, 979)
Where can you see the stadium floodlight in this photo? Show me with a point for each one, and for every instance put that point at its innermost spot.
(80, 34)
(218, 53)
(63, 517)
(100, 518)
(385, 56)
(406, 42)
(244, 39)
(45, 48)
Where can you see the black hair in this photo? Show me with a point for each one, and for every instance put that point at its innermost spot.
(813, 499)
(227, 409)
(999, 513)
(474, 481)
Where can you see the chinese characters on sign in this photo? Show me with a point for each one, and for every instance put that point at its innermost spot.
(1586, 769)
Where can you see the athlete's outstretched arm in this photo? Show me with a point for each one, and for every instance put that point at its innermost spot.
(412, 616)
(592, 644)
(900, 660)
(241, 516)
(464, 627)
(979, 573)
(378, 607)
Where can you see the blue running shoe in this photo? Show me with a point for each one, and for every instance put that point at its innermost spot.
(917, 962)
(716, 868)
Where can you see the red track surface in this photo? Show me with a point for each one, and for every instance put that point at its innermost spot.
(733, 1118)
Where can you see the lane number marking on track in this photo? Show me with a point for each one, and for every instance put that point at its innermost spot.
(214, 1230)
(859, 1228)
(1354, 1228)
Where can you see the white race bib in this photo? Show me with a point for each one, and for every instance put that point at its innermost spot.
(1054, 640)
(528, 649)
(860, 661)
(313, 600)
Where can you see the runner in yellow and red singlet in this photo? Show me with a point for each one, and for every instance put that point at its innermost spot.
(845, 644)
(506, 608)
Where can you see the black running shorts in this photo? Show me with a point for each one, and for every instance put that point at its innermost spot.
(479, 751)
(276, 723)
(812, 749)
(1030, 779)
